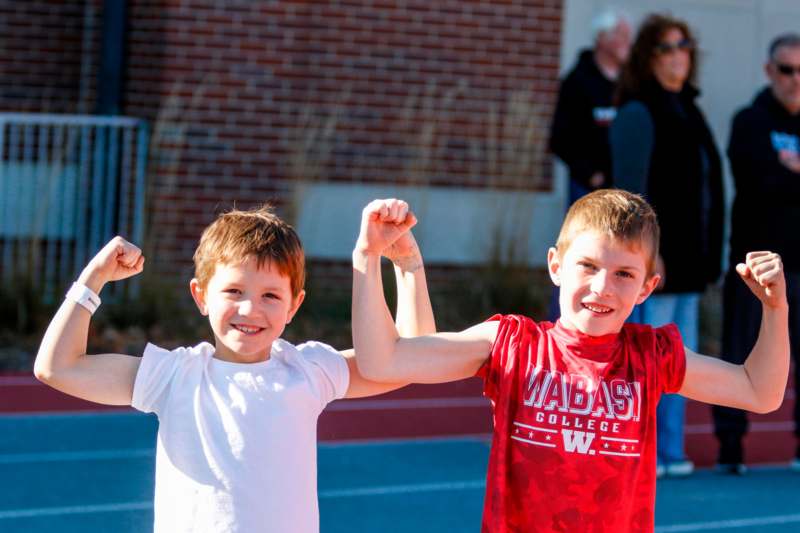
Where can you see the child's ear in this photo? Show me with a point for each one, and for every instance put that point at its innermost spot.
(199, 296)
(648, 288)
(298, 300)
(554, 266)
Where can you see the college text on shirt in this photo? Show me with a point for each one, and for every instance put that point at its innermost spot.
(580, 415)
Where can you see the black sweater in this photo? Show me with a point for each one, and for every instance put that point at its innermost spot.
(579, 132)
(766, 209)
(682, 180)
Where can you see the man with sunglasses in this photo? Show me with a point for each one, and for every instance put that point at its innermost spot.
(764, 152)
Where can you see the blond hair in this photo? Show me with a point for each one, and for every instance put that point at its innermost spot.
(237, 235)
(616, 213)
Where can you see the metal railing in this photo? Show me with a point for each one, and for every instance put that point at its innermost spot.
(68, 183)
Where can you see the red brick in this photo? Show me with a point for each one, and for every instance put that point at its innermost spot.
(239, 85)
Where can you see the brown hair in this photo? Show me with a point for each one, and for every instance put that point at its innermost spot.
(236, 235)
(619, 214)
(639, 70)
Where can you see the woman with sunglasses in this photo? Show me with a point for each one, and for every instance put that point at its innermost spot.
(662, 147)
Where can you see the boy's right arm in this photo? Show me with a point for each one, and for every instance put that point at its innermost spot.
(382, 355)
(62, 361)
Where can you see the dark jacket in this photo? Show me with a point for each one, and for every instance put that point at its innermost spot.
(681, 177)
(579, 132)
(766, 209)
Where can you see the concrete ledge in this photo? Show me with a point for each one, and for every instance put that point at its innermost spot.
(457, 226)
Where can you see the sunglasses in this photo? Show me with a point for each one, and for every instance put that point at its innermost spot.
(667, 48)
(787, 70)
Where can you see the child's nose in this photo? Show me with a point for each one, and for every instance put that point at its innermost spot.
(246, 307)
(601, 283)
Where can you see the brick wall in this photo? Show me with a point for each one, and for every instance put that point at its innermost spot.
(48, 55)
(246, 97)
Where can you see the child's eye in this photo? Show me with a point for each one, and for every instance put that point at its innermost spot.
(272, 296)
(586, 266)
(624, 274)
(232, 291)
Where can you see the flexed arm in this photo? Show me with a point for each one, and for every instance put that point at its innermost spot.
(382, 354)
(759, 384)
(414, 312)
(62, 361)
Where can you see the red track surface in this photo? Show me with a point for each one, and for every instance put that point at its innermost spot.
(437, 411)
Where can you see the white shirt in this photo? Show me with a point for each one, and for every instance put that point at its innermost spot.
(236, 447)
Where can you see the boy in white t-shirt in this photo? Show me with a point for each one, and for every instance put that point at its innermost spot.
(236, 447)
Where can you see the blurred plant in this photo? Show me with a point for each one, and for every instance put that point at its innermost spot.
(23, 310)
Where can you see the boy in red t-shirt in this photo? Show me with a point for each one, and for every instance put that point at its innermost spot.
(574, 402)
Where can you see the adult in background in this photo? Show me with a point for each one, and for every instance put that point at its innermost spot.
(662, 147)
(579, 132)
(585, 110)
(764, 152)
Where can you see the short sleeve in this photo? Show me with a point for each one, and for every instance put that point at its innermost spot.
(158, 366)
(328, 370)
(671, 358)
(501, 362)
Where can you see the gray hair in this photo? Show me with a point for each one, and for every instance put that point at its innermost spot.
(791, 40)
(607, 20)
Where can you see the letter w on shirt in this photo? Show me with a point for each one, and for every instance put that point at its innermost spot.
(577, 440)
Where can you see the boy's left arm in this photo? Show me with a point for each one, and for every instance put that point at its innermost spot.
(414, 315)
(759, 384)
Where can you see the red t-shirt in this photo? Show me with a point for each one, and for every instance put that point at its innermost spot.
(574, 446)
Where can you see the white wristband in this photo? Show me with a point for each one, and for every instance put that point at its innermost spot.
(83, 295)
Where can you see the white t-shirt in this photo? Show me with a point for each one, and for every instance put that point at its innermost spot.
(237, 442)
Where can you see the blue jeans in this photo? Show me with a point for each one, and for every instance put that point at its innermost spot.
(682, 309)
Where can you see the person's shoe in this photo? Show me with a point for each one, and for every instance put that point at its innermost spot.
(660, 470)
(731, 455)
(679, 468)
(730, 450)
(733, 469)
(795, 464)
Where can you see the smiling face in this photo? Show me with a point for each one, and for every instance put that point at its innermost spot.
(672, 60)
(248, 308)
(601, 279)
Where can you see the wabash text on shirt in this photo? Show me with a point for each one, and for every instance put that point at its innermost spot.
(574, 445)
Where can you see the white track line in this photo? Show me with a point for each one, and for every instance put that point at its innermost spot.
(403, 489)
(77, 509)
(755, 427)
(731, 524)
(87, 455)
(140, 453)
(391, 490)
(323, 494)
(484, 438)
(19, 381)
(409, 403)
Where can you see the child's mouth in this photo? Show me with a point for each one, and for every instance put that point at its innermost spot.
(247, 330)
(597, 308)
